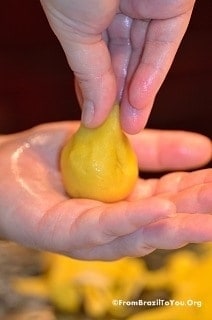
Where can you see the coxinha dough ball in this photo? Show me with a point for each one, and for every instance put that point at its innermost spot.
(99, 163)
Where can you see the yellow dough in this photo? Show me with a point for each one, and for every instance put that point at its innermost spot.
(99, 163)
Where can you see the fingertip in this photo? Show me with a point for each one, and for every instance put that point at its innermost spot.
(204, 145)
(98, 99)
(88, 111)
(94, 116)
(194, 149)
(133, 120)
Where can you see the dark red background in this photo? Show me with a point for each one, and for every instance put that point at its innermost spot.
(36, 84)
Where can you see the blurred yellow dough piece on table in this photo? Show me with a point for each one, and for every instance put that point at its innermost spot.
(99, 163)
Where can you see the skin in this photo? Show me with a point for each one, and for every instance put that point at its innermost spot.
(166, 213)
(121, 47)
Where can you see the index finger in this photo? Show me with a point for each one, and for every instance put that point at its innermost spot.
(159, 150)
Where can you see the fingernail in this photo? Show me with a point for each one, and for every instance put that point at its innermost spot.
(87, 112)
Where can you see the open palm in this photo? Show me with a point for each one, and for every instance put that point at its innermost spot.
(165, 213)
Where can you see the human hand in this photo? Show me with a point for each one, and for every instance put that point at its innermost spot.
(36, 212)
(119, 50)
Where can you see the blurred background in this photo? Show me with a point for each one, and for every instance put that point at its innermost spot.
(36, 84)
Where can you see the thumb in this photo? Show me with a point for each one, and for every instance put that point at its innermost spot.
(95, 79)
(89, 59)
